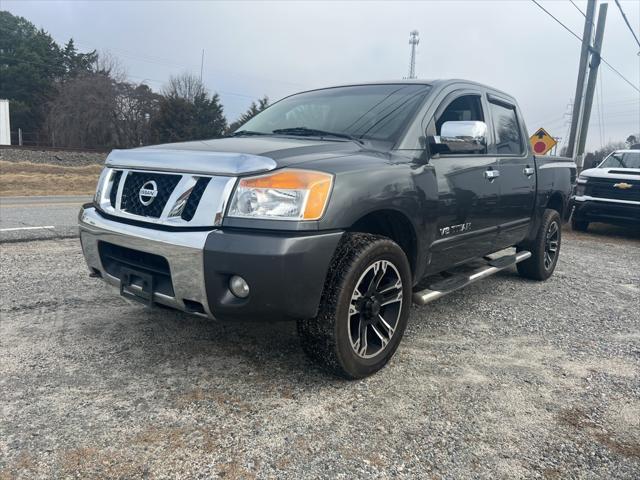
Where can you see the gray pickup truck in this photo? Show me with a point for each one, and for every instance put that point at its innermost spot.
(336, 208)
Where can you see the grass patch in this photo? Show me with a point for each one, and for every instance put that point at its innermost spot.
(24, 178)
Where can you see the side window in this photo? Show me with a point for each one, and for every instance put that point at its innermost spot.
(467, 107)
(507, 130)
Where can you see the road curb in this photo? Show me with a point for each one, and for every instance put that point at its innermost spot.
(38, 239)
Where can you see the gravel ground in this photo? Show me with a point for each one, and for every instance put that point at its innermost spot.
(506, 379)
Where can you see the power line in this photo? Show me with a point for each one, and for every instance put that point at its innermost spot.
(580, 39)
(166, 62)
(578, 8)
(619, 74)
(612, 107)
(171, 63)
(144, 79)
(628, 24)
(559, 22)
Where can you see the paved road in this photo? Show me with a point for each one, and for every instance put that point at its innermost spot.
(508, 378)
(38, 218)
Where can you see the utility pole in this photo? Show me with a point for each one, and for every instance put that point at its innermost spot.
(582, 72)
(413, 41)
(593, 76)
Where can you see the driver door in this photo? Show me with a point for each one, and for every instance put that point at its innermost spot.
(468, 191)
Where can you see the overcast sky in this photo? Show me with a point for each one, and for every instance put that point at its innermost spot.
(278, 48)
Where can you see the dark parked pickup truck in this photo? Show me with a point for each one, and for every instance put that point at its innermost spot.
(337, 208)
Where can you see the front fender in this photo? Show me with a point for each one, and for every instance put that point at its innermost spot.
(407, 188)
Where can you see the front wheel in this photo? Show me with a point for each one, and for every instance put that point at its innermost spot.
(364, 307)
(545, 248)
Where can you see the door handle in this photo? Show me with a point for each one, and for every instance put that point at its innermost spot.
(528, 171)
(491, 175)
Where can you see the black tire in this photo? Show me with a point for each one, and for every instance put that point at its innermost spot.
(579, 225)
(328, 339)
(541, 264)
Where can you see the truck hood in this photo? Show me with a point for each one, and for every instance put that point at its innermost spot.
(230, 156)
(612, 173)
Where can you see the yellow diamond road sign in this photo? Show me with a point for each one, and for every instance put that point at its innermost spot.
(542, 142)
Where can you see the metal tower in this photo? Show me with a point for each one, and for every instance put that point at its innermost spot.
(413, 41)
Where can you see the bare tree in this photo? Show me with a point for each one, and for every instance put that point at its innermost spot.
(185, 86)
(111, 66)
(135, 107)
(81, 115)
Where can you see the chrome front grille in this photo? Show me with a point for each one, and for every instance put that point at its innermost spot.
(130, 201)
(193, 201)
(114, 190)
(174, 199)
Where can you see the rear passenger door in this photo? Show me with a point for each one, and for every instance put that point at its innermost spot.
(467, 195)
(517, 181)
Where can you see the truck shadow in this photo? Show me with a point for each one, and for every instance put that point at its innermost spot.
(158, 341)
(607, 231)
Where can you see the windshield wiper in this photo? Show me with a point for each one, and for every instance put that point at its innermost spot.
(246, 133)
(313, 132)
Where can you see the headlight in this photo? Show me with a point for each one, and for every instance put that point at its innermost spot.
(285, 195)
(581, 186)
(97, 197)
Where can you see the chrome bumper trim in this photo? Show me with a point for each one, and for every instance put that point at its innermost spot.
(182, 250)
(584, 198)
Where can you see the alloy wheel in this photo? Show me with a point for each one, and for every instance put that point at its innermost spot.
(375, 307)
(551, 245)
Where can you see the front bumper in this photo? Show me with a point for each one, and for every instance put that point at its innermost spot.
(285, 272)
(594, 209)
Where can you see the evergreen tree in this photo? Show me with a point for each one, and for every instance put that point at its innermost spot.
(253, 110)
(209, 118)
(30, 63)
(77, 63)
(188, 112)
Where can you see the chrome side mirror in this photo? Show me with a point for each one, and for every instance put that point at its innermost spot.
(460, 137)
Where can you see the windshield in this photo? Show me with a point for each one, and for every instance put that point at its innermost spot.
(622, 160)
(373, 112)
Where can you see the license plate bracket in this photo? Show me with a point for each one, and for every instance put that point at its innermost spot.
(137, 286)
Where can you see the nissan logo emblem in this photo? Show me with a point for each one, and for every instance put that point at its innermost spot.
(148, 193)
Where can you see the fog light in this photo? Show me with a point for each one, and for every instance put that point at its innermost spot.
(239, 287)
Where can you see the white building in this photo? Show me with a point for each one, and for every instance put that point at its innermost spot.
(5, 126)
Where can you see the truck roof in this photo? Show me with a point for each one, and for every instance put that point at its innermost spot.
(437, 82)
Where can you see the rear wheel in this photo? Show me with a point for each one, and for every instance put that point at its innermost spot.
(364, 307)
(545, 249)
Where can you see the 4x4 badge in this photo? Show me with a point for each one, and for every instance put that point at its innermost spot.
(148, 192)
(623, 185)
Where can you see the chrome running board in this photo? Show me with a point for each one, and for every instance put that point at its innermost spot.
(462, 280)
